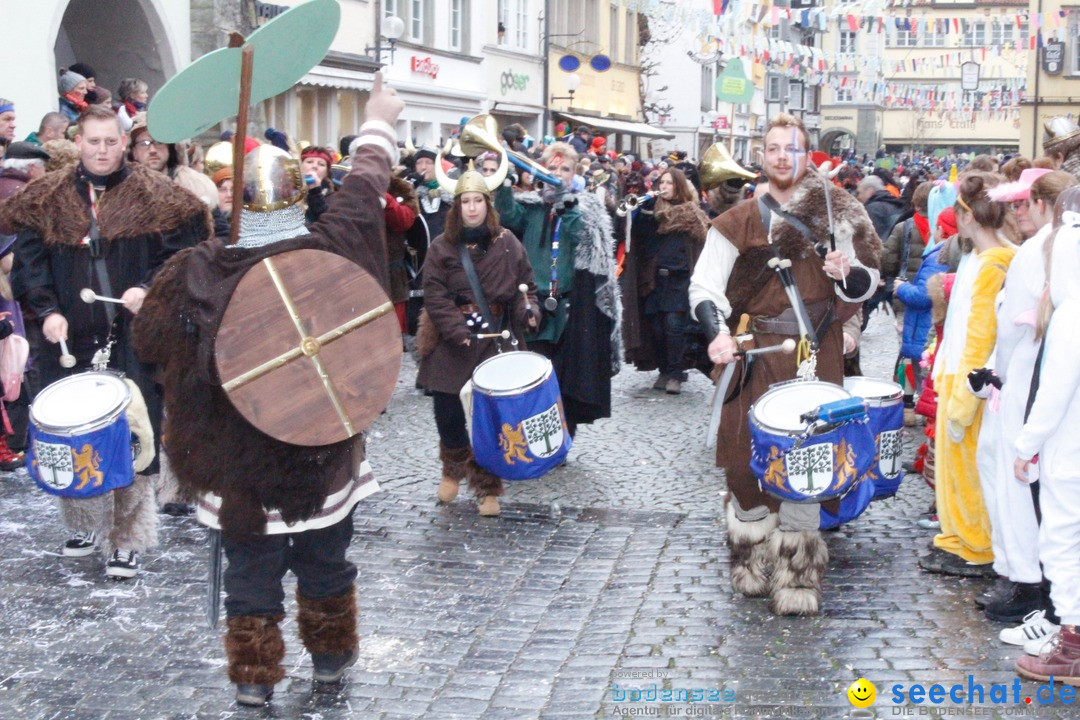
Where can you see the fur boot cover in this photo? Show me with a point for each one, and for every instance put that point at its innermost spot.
(454, 461)
(749, 547)
(255, 649)
(481, 482)
(125, 518)
(799, 561)
(327, 626)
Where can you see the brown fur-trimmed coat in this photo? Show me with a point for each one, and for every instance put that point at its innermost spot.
(672, 232)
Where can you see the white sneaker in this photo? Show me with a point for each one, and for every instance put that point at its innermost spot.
(1034, 627)
(1034, 647)
(124, 564)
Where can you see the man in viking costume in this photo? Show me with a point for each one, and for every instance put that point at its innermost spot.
(776, 547)
(108, 226)
(1062, 144)
(575, 281)
(280, 506)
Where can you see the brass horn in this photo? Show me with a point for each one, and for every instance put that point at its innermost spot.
(454, 187)
(481, 134)
(718, 167)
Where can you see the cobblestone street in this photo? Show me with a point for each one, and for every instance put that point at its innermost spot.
(609, 574)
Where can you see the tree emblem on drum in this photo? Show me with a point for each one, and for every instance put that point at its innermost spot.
(544, 432)
(890, 446)
(803, 464)
(55, 465)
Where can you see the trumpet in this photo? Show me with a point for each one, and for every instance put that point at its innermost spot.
(630, 202)
(480, 135)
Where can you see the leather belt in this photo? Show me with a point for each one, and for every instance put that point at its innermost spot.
(821, 315)
(469, 309)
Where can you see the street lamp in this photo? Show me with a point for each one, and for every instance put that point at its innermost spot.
(573, 82)
(391, 28)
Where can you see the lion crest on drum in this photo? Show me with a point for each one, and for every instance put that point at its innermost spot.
(512, 443)
(87, 462)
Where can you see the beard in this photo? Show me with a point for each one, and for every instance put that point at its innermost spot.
(787, 182)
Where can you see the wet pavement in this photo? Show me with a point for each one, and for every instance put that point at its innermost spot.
(600, 584)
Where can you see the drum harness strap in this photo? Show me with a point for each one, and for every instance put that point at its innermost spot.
(96, 247)
(478, 295)
(806, 354)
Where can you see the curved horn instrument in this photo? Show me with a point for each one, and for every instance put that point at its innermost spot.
(718, 167)
(445, 182)
(481, 134)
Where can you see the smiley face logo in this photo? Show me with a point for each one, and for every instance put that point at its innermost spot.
(862, 693)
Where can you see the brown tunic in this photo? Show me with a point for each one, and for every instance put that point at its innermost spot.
(501, 269)
(756, 290)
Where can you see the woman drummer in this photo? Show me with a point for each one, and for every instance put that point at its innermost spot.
(454, 336)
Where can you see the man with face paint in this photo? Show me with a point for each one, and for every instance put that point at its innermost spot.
(732, 278)
(569, 239)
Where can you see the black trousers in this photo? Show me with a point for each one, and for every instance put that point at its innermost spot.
(258, 564)
(450, 420)
(669, 338)
(548, 350)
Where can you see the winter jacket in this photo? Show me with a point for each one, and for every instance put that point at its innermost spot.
(914, 294)
(884, 211)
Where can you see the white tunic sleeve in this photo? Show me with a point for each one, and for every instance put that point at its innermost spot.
(712, 271)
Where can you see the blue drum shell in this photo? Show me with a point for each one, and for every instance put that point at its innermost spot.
(82, 466)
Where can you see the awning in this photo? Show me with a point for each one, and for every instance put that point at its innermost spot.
(622, 127)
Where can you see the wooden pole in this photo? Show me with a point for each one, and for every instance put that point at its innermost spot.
(247, 56)
(731, 132)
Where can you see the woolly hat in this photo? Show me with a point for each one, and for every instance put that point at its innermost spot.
(25, 151)
(222, 174)
(946, 220)
(68, 81)
(83, 69)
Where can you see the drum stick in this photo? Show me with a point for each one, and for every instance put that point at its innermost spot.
(524, 290)
(787, 347)
(67, 360)
(88, 296)
(505, 335)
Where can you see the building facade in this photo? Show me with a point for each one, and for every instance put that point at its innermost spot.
(1053, 77)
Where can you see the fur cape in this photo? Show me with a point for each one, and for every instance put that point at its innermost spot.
(405, 193)
(853, 230)
(597, 257)
(686, 217)
(144, 202)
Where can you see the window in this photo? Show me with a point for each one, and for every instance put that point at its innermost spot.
(391, 8)
(1005, 33)
(774, 88)
(708, 93)
(521, 29)
(416, 20)
(795, 96)
(514, 21)
(456, 12)
(503, 12)
(844, 95)
(974, 34)
(905, 38)
(847, 42)
(630, 43)
(613, 31)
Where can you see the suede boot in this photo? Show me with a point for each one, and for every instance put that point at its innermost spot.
(327, 628)
(255, 649)
(1015, 606)
(453, 470)
(486, 486)
(1059, 660)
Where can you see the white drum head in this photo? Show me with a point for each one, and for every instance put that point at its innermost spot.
(780, 408)
(870, 388)
(80, 403)
(510, 373)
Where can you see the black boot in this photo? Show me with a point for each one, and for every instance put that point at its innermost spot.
(1012, 608)
(1002, 587)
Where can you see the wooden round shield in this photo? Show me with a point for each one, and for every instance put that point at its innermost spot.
(309, 348)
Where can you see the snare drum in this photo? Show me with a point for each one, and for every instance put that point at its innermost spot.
(886, 401)
(80, 443)
(797, 462)
(518, 423)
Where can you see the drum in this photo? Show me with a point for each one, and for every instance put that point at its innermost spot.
(808, 462)
(886, 402)
(518, 423)
(80, 443)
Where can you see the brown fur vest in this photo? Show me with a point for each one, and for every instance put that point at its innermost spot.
(144, 202)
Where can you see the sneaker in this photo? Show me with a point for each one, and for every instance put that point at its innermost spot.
(254, 695)
(81, 544)
(176, 509)
(1035, 627)
(1001, 588)
(123, 564)
(330, 668)
(10, 460)
(929, 522)
(661, 382)
(1035, 647)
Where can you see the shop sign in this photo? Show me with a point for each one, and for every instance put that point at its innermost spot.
(1053, 57)
(424, 66)
(511, 81)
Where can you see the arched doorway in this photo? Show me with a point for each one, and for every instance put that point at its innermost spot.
(119, 39)
(836, 141)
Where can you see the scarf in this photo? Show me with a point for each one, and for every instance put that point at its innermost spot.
(79, 105)
(134, 107)
(479, 236)
(923, 224)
